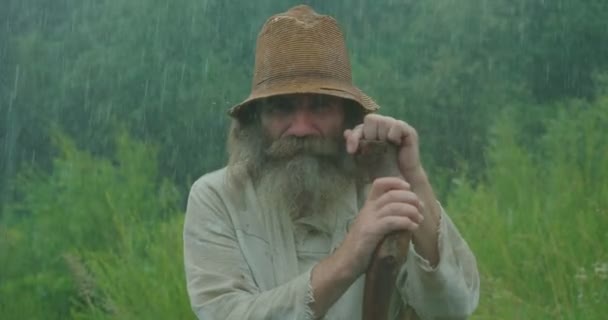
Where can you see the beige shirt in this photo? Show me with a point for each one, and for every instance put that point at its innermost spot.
(243, 262)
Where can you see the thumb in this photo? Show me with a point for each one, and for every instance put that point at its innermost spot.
(382, 185)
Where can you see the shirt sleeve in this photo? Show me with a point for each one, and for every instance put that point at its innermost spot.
(219, 282)
(450, 290)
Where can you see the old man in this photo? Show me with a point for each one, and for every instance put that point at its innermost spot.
(288, 228)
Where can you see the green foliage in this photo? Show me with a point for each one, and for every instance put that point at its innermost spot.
(90, 224)
(101, 239)
(170, 70)
(538, 221)
(144, 279)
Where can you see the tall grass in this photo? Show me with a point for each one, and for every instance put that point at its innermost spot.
(538, 223)
(96, 238)
(101, 238)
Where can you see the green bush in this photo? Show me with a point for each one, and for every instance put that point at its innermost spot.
(142, 280)
(94, 230)
(100, 238)
(538, 221)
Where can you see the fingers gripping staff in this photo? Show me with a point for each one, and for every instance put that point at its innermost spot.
(397, 132)
(390, 254)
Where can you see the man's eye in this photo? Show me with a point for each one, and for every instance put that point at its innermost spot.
(323, 103)
(321, 107)
(320, 100)
(278, 108)
(274, 109)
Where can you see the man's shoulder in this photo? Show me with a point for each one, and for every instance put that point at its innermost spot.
(216, 179)
(216, 188)
(220, 183)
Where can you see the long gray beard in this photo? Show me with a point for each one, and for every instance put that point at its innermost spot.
(298, 176)
(301, 186)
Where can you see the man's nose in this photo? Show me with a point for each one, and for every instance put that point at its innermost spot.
(302, 123)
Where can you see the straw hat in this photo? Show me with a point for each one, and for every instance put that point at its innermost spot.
(301, 51)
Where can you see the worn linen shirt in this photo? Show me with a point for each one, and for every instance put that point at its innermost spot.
(244, 262)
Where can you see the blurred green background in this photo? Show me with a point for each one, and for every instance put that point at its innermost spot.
(109, 110)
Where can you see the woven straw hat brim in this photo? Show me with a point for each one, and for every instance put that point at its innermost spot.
(308, 85)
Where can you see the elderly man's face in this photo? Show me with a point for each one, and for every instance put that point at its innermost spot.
(303, 115)
(295, 154)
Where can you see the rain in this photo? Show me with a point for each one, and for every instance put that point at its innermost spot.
(111, 110)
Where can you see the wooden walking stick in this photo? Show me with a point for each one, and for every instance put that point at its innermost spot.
(381, 160)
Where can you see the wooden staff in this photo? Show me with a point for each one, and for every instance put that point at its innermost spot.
(381, 160)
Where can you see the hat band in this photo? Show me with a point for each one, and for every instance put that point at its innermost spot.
(304, 74)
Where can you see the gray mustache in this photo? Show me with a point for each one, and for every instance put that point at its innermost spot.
(292, 146)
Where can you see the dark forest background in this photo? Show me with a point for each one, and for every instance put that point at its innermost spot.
(109, 110)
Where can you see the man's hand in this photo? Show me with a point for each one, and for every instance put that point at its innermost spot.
(404, 136)
(382, 128)
(390, 206)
